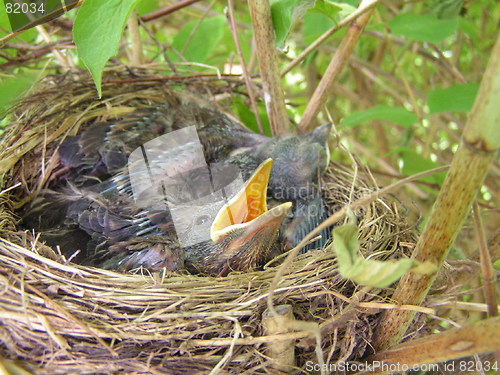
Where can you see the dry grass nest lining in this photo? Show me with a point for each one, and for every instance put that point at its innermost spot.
(60, 317)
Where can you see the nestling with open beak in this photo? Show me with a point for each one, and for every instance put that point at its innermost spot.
(243, 232)
(241, 236)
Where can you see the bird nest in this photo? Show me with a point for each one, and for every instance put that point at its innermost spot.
(59, 317)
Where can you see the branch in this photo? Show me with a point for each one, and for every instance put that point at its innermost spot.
(336, 65)
(480, 142)
(456, 343)
(351, 17)
(246, 75)
(167, 10)
(274, 98)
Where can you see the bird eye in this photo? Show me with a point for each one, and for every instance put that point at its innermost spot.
(200, 220)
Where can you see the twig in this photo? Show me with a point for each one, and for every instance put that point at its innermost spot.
(136, 57)
(66, 63)
(167, 10)
(39, 21)
(358, 12)
(246, 76)
(480, 142)
(487, 272)
(160, 46)
(196, 27)
(336, 65)
(274, 98)
(359, 147)
(335, 218)
(456, 343)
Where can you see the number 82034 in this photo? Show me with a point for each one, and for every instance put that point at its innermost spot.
(24, 8)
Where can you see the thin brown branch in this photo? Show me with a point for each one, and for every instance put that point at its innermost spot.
(167, 10)
(456, 343)
(487, 272)
(40, 21)
(246, 76)
(136, 57)
(274, 98)
(63, 60)
(337, 63)
(358, 12)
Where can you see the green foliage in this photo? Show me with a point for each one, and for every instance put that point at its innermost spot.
(446, 9)
(423, 27)
(248, 117)
(97, 32)
(315, 24)
(4, 19)
(328, 8)
(414, 163)
(145, 7)
(456, 98)
(375, 273)
(284, 14)
(317, 16)
(396, 115)
(192, 43)
(14, 87)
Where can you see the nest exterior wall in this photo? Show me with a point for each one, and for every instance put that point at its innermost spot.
(59, 317)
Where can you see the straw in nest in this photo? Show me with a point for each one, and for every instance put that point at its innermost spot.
(59, 317)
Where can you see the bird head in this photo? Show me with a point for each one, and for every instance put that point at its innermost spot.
(298, 162)
(244, 229)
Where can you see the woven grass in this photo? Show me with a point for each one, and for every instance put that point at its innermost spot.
(59, 317)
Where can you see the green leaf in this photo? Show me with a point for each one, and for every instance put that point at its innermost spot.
(27, 35)
(315, 24)
(345, 10)
(423, 28)
(446, 9)
(97, 31)
(327, 7)
(4, 19)
(457, 98)
(247, 116)
(397, 115)
(284, 14)
(196, 45)
(414, 163)
(145, 7)
(13, 88)
(375, 273)
(469, 29)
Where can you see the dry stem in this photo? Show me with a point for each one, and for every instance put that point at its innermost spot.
(337, 63)
(456, 343)
(274, 97)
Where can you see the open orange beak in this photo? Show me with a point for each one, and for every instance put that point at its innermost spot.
(247, 210)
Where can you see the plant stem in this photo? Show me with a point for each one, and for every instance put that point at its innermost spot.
(167, 10)
(136, 56)
(358, 12)
(479, 145)
(262, 23)
(246, 75)
(453, 344)
(337, 63)
(487, 271)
